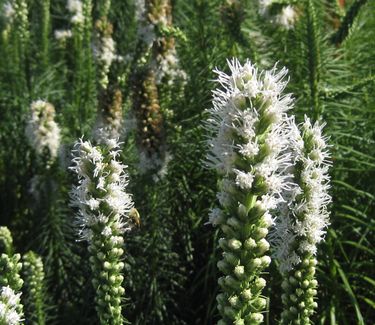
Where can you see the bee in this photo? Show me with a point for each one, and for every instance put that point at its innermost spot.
(134, 215)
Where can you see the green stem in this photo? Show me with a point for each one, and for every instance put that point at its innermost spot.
(313, 59)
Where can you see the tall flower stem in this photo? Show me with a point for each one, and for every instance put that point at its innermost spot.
(250, 128)
(301, 224)
(103, 217)
(34, 289)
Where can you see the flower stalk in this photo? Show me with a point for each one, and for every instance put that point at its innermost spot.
(103, 218)
(249, 150)
(34, 290)
(302, 223)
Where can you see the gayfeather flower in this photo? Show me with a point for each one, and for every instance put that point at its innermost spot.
(249, 149)
(104, 50)
(103, 218)
(42, 131)
(302, 222)
(10, 306)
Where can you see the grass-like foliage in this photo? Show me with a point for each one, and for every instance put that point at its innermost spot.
(146, 84)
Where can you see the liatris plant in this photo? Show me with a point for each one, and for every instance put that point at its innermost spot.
(157, 70)
(103, 218)
(301, 228)
(250, 128)
(10, 307)
(104, 50)
(6, 241)
(34, 290)
(151, 135)
(42, 131)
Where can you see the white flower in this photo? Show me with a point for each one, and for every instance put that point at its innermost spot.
(215, 217)
(287, 17)
(75, 7)
(8, 11)
(100, 174)
(93, 204)
(10, 306)
(63, 34)
(249, 98)
(304, 217)
(42, 131)
(244, 180)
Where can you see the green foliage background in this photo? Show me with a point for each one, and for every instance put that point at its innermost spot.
(170, 259)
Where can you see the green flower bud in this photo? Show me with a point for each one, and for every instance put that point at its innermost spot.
(239, 271)
(246, 295)
(234, 244)
(260, 233)
(263, 246)
(250, 243)
(233, 301)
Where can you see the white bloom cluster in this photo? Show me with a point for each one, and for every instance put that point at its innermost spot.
(167, 65)
(75, 7)
(101, 195)
(250, 104)
(63, 34)
(285, 18)
(42, 131)
(305, 218)
(9, 307)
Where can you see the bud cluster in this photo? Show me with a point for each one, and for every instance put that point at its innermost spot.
(249, 149)
(6, 241)
(10, 267)
(34, 291)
